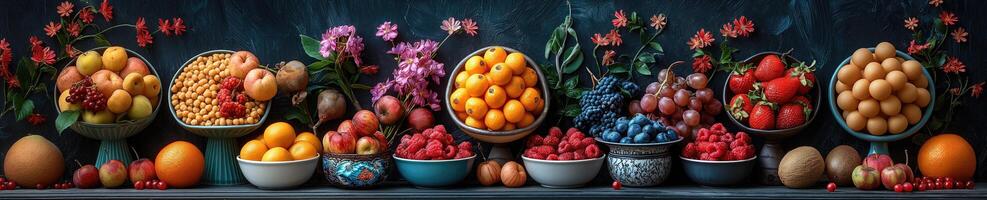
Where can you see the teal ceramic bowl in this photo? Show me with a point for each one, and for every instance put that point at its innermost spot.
(718, 173)
(434, 173)
(879, 142)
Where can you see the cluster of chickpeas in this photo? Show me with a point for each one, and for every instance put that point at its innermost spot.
(194, 94)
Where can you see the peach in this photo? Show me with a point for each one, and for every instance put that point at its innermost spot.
(135, 65)
(89, 62)
(152, 86)
(241, 63)
(260, 84)
(119, 102)
(70, 75)
(134, 83)
(114, 58)
(106, 81)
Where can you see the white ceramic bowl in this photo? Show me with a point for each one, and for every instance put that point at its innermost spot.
(563, 173)
(278, 175)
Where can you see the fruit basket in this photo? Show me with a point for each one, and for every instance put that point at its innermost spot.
(640, 165)
(353, 171)
(499, 138)
(879, 143)
(113, 137)
(434, 173)
(563, 173)
(718, 173)
(772, 151)
(278, 175)
(221, 148)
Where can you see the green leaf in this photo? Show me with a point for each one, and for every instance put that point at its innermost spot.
(295, 113)
(656, 46)
(618, 68)
(26, 108)
(572, 83)
(575, 64)
(316, 66)
(575, 93)
(101, 41)
(699, 52)
(349, 67)
(360, 86)
(66, 119)
(572, 54)
(26, 71)
(555, 45)
(571, 110)
(311, 47)
(646, 58)
(550, 75)
(643, 69)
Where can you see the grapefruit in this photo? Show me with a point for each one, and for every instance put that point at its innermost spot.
(180, 164)
(947, 155)
(33, 160)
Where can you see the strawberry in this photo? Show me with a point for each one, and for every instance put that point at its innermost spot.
(791, 115)
(805, 76)
(802, 100)
(741, 81)
(769, 68)
(740, 106)
(781, 90)
(762, 117)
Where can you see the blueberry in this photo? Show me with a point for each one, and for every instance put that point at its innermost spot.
(670, 134)
(639, 119)
(658, 125)
(633, 130)
(642, 138)
(648, 129)
(612, 136)
(661, 138)
(621, 127)
(625, 140)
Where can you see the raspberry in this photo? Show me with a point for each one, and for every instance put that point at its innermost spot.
(435, 135)
(463, 154)
(242, 98)
(224, 95)
(743, 137)
(705, 156)
(738, 153)
(466, 146)
(450, 152)
(716, 155)
(690, 150)
(405, 139)
(555, 132)
(448, 139)
(552, 157)
(566, 156)
(718, 127)
(722, 146)
(713, 138)
(535, 155)
(586, 142)
(551, 141)
(572, 131)
(574, 142)
(420, 155)
(440, 128)
(434, 149)
(417, 143)
(578, 155)
(737, 143)
(706, 147)
(565, 147)
(232, 110)
(592, 151)
(232, 83)
(726, 138)
(534, 140)
(544, 150)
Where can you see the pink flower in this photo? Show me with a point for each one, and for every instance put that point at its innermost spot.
(416, 69)
(106, 10)
(658, 21)
(701, 64)
(86, 15)
(164, 26)
(977, 89)
(914, 48)
(470, 26)
(74, 29)
(178, 27)
(911, 23)
(5, 53)
(959, 35)
(65, 9)
(43, 55)
(387, 31)
(609, 57)
(70, 51)
(52, 29)
(954, 65)
(144, 37)
(599, 40)
(728, 31)
(702, 39)
(614, 37)
(451, 25)
(743, 26)
(619, 19)
(935, 3)
(948, 18)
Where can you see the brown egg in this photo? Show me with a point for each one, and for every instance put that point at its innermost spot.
(912, 68)
(855, 121)
(846, 113)
(874, 71)
(861, 57)
(891, 64)
(921, 82)
(846, 101)
(901, 60)
(861, 89)
(840, 87)
(897, 79)
(877, 125)
(922, 98)
(912, 113)
(908, 93)
(897, 124)
(890, 106)
(880, 89)
(849, 74)
(884, 50)
(869, 108)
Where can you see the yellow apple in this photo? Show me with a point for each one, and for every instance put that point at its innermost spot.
(152, 86)
(101, 117)
(106, 82)
(119, 102)
(134, 84)
(89, 62)
(64, 105)
(114, 58)
(260, 84)
(140, 108)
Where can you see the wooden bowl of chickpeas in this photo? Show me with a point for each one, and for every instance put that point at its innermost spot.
(193, 98)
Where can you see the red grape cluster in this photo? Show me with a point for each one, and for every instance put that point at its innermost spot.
(432, 144)
(684, 102)
(85, 93)
(231, 98)
(715, 143)
(573, 146)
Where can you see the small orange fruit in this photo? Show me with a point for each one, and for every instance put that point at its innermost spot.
(516, 62)
(461, 115)
(475, 123)
(253, 150)
(458, 99)
(530, 77)
(476, 65)
(276, 154)
(476, 107)
(531, 98)
(513, 111)
(310, 138)
(302, 151)
(947, 155)
(500, 74)
(509, 127)
(461, 79)
(494, 55)
(495, 97)
(494, 120)
(180, 164)
(515, 87)
(476, 85)
(279, 134)
(526, 120)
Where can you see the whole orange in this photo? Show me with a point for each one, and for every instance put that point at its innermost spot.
(180, 164)
(947, 155)
(279, 134)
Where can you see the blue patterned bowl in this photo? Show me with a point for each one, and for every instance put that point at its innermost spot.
(352, 171)
(434, 173)
(718, 173)
(640, 165)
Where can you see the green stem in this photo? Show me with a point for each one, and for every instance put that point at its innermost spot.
(596, 61)
(101, 32)
(641, 49)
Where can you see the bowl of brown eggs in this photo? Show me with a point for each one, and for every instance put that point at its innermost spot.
(881, 95)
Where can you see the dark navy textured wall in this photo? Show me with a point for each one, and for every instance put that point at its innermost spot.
(825, 31)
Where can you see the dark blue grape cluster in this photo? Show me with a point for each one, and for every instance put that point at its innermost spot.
(631, 88)
(639, 130)
(603, 105)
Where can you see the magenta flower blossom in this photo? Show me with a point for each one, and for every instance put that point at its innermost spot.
(387, 31)
(342, 40)
(451, 25)
(415, 70)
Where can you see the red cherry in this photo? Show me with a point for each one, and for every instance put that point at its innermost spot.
(939, 185)
(139, 185)
(70, 185)
(898, 188)
(949, 184)
(162, 185)
(940, 179)
(831, 187)
(40, 186)
(970, 185)
(2, 180)
(616, 185)
(11, 185)
(920, 187)
(907, 187)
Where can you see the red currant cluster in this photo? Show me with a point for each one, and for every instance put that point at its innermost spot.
(85, 93)
(933, 183)
(715, 143)
(7, 184)
(573, 146)
(230, 107)
(433, 144)
(63, 185)
(151, 184)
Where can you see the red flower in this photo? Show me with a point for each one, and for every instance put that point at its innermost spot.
(470, 27)
(35, 42)
(954, 65)
(74, 29)
(5, 53)
(86, 15)
(911, 23)
(728, 31)
(977, 89)
(70, 51)
(658, 21)
(106, 10)
(609, 57)
(948, 18)
(702, 39)
(619, 19)
(43, 55)
(599, 40)
(143, 36)
(36, 119)
(369, 70)
(701, 64)
(164, 26)
(65, 9)
(959, 35)
(614, 37)
(914, 48)
(743, 26)
(178, 27)
(52, 29)
(935, 3)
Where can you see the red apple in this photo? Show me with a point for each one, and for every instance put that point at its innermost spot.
(878, 161)
(421, 119)
(367, 145)
(365, 123)
(892, 176)
(260, 84)
(69, 76)
(389, 110)
(134, 65)
(909, 174)
(142, 170)
(866, 178)
(382, 139)
(340, 142)
(241, 63)
(112, 174)
(86, 177)
(107, 81)
(346, 127)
